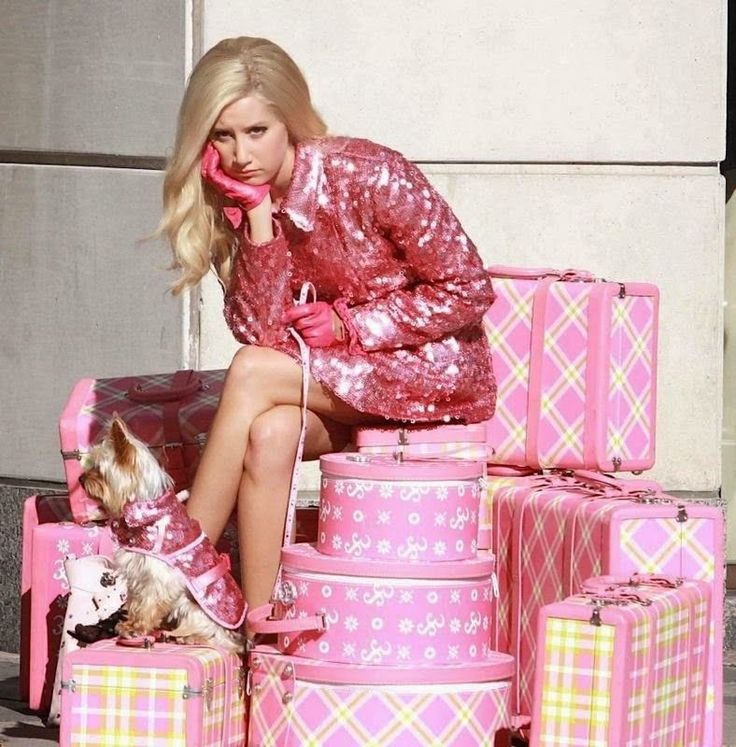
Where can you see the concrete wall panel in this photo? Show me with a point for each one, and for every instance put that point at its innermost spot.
(508, 80)
(79, 297)
(657, 224)
(91, 76)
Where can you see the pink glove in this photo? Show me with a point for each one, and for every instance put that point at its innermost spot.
(317, 323)
(247, 196)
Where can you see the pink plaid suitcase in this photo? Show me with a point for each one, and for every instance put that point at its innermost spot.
(552, 532)
(297, 702)
(354, 611)
(374, 506)
(575, 363)
(44, 581)
(623, 664)
(166, 696)
(170, 412)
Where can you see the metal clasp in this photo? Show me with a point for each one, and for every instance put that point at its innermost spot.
(403, 442)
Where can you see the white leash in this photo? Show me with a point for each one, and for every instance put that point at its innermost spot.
(307, 289)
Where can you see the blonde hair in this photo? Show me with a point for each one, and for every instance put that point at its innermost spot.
(192, 212)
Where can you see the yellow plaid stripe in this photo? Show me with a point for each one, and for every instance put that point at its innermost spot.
(576, 683)
(105, 710)
(346, 714)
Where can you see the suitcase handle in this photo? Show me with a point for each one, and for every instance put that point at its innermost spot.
(184, 384)
(139, 641)
(610, 583)
(261, 620)
(535, 273)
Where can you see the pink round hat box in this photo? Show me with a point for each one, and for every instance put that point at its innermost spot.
(388, 612)
(373, 506)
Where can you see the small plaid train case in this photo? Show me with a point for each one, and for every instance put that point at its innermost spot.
(623, 665)
(575, 360)
(167, 696)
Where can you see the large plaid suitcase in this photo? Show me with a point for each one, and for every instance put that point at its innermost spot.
(575, 362)
(623, 664)
(552, 532)
(170, 412)
(297, 702)
(166, 696)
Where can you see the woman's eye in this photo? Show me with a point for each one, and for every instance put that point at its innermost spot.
(220, 135)
(257, 131)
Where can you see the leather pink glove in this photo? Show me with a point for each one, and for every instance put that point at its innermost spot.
(247, 196)
(317, 323)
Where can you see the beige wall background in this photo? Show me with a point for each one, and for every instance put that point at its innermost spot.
(585, 133)
(575, 134)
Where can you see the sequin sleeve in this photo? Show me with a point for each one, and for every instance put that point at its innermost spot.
(259, 291)
(449, 288)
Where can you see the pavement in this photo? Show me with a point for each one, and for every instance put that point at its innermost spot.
(21, 727)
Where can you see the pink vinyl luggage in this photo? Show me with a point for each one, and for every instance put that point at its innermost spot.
(552, 532)
(37, 509)
(444, 441)
(623, 664)
(169, 412)
(297, 702)
(354, 611)
(575, 359)
(167, 696)
(374, 506)
(50, 545)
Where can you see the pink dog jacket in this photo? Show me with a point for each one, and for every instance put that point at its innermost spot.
(162, 529)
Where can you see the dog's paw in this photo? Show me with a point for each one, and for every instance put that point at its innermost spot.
(127, 629)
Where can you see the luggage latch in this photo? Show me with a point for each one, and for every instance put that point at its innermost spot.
(70, 685)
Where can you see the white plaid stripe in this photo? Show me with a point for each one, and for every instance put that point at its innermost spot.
(115, 721)
(630, 408)
(575, 697)
(569, 302)
(511, 446)
(322, 714)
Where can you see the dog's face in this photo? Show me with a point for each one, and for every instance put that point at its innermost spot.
(121, 469)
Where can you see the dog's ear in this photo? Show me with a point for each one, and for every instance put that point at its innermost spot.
(124, 449)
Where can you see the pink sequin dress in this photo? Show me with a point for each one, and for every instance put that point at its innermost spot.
(365, 226)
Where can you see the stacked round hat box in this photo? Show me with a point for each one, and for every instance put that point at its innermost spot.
(383, 623)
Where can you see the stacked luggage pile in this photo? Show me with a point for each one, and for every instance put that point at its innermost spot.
(461, 581)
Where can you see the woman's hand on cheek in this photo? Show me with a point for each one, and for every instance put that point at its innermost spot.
(248, 196)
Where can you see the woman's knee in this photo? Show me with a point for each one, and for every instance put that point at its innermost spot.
(248, 364)
(272, 439)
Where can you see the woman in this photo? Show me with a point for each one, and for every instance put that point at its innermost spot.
(256, 190)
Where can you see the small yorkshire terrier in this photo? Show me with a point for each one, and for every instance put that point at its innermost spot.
(176, 580)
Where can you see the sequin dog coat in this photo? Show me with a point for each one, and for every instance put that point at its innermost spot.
(365, 226)
(162, 529)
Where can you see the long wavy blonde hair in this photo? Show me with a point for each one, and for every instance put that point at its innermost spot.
(192, 212)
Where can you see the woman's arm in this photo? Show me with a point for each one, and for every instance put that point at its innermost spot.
(451, 288)
(260, 290)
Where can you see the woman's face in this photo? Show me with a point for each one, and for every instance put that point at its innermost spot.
(252, 142)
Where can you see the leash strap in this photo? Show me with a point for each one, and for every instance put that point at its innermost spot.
(307, 291)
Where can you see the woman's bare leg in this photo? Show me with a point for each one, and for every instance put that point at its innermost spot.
(264, 489)
(258, 380)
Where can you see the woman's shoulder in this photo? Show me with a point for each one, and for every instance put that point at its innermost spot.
(355, 147)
